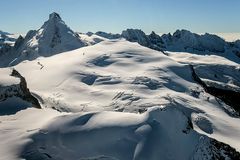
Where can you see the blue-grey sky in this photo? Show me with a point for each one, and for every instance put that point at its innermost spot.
(19, 16)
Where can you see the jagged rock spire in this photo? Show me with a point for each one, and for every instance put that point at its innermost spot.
(54, 15)
(52, 38)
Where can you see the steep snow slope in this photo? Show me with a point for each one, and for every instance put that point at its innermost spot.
(52, 38)
(117, 75)
(215, 71)
(91, 39)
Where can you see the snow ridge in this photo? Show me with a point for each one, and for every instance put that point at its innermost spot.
(52, 38)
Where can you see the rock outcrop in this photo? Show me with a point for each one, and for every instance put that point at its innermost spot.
(18, 90)
(107, 35)
(230, 97)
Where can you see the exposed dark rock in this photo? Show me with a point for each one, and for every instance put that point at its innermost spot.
(19, 42)
(156, 42)
(221, 151)
(230, 97)
(26, 94)
(106, 35)
(211, 149)
(5, 48)
(136, 35)
(56, 38)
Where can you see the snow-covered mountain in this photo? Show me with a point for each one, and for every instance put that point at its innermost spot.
(7, 40)
(52, 38)
(186, 41)
(152, 41)
(135, 35)
(117, 99)
(183, 40)
(108, 35)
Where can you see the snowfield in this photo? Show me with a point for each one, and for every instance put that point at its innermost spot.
(106, 98)
(120, 76)
(113, 135)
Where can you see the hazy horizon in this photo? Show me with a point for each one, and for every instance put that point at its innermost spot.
(161, 16)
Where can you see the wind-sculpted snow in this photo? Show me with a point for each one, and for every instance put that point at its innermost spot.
(136, 79)
(102, 61)
(160, 133)
(150, 83)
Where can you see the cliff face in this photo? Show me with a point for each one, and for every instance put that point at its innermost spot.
(230, 97)
(15, 90)
(26, 94)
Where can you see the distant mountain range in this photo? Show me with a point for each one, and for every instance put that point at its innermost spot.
(55, 37)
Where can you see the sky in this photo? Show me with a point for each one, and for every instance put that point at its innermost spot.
(161, 16)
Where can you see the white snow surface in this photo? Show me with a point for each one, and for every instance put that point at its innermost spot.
(102, 89)
(16, 130)
(114, 135)
(6, 79)
(91, 39)
(215, 70)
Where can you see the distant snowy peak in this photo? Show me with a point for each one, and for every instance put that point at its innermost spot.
(152, 41)
(7, 40)
(52, 38)
(107, 35)
(183, 40)
(4, 33)
(136, 35)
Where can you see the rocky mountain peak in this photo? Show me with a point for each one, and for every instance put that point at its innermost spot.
(54, 15)
(136, 35)
(52, 38)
